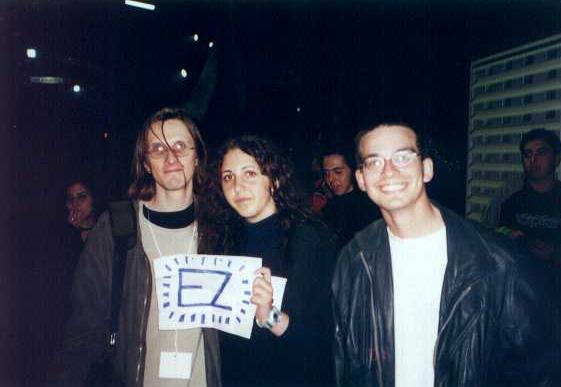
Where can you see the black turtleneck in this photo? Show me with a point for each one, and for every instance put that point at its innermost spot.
(264, 239)
(172, 220)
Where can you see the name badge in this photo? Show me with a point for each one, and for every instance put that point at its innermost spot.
(175, 365)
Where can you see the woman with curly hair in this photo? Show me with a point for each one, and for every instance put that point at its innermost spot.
(251, 207)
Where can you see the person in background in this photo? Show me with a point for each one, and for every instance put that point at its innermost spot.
(349, 210)
(252, 208)
(423, 298)
(533, 214)
(321, 194)
(80, 204)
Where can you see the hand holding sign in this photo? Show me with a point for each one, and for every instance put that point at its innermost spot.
(262, 295)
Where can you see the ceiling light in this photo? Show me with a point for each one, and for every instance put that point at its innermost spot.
(76, 88)
(47, 80)
(31, 53)
(183, 73)
(139, 4)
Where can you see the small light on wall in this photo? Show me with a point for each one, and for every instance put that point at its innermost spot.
(76, 88)
(298, 109)
(31, 53)
(210, 44)
(183, 73)
(195, 37)
(105, 135)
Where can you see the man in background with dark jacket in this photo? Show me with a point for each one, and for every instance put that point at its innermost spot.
(533, 214)
(349, 210)
(425, 299)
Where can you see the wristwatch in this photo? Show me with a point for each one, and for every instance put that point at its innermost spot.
(273, 319)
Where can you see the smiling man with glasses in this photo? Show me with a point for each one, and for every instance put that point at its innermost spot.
(423, 298)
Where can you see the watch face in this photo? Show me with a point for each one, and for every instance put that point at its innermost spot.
(276, 315)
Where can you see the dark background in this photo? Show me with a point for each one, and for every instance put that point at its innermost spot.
(345, 64)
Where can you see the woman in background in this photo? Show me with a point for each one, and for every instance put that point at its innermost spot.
(82, 213)
(252, 208)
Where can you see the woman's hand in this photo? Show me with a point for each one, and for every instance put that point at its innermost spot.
(262, 293)
(262, 297)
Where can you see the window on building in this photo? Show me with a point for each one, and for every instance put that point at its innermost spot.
(528, 79)
(493, 122)
(495, 87)
(539, 97)
(528, 99)
(517, 63)
(550, 115)
(540, 57)
(551, 95)
(517, 83)
(478, 91)
(476, 175)
(508, 84)
(496, 69)
(479, 73)
(529, 60)
(527, 118)
(516, 101)
(552, 74)
(477, 124)
(516, 120)
(553, 53)
(478, 107)
(511, 175)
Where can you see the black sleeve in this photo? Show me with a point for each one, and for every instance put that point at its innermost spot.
(339, 306)
(86, 331)
(313, 253)
(529, 331)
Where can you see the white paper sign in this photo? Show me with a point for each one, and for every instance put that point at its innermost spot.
(278, 284)
(211, 291)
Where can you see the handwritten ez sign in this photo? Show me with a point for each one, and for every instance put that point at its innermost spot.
(210, 291)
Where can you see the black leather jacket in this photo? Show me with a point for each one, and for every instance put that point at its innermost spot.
(493, 325)
(85, 334)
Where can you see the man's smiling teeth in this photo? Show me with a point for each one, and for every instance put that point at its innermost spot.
(392, 187)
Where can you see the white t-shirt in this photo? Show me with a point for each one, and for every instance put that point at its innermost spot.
(418, 266)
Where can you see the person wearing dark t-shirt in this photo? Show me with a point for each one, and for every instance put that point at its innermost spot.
(349, 210)
(533, 214)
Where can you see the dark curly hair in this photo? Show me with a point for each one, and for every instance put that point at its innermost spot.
(221, 229)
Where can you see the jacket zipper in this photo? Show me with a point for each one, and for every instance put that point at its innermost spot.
(376, 341)
(447, 321)
(144, 323)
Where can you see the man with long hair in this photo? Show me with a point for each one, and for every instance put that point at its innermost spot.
(168, 160)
